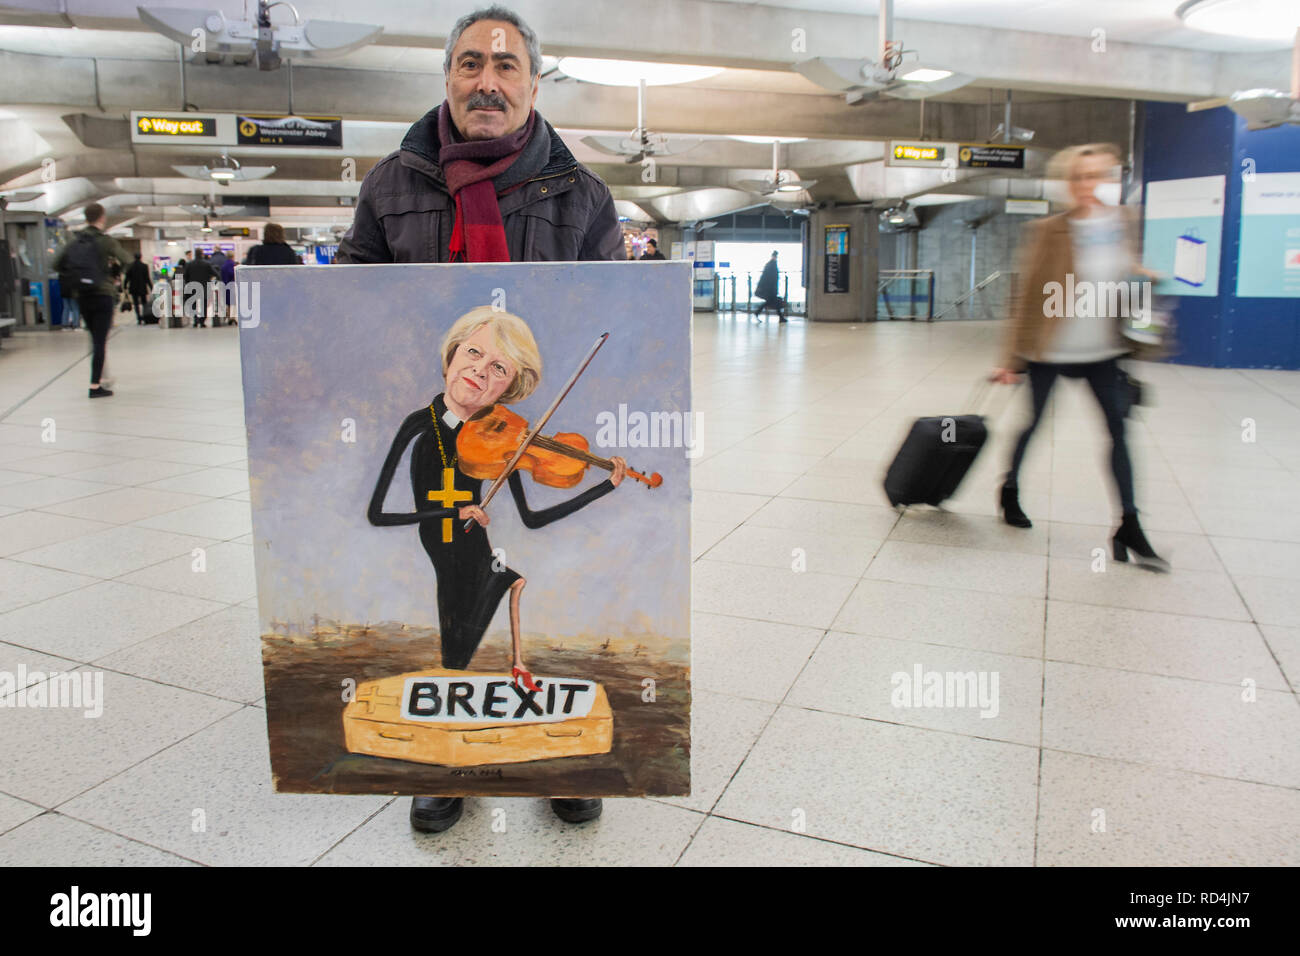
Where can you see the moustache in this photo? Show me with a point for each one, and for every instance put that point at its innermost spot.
(481, 101)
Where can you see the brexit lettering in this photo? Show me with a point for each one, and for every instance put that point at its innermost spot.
(495, 700)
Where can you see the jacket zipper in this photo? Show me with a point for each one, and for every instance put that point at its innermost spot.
(563, 172)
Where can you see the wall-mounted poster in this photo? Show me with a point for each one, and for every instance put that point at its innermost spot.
(705, 276)
(836, 275)
(471, 518)
(1190, 258)
(1183, 236)
(1269, 260)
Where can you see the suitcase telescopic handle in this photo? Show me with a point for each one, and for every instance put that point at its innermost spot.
(980, 391)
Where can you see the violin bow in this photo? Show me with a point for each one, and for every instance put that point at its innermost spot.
(537, 428)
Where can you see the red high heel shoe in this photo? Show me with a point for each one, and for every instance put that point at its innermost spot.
(518, 672)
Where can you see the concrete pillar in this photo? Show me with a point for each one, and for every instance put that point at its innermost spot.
(668, 234)
(858, 303)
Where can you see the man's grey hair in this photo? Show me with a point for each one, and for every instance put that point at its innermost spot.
(495, 12)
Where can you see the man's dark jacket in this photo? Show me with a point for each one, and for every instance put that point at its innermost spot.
(273, 254)
(768, 282)
(137, 278)
(562, 212)
(200, 270)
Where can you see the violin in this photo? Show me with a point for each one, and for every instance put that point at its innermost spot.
(490, 439)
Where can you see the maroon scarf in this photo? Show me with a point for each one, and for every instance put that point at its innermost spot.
(470, 166)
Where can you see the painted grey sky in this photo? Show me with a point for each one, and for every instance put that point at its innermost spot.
(361, 343)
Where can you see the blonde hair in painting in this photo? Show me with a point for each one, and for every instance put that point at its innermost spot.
(513, 338)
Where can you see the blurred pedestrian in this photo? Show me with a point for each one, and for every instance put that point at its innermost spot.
(768, 288)
(138, 286)
(273, 251)
(198, 274)
(71, 307)
(228, 285)
(651, 251)
(86, 264)
(1076, 251)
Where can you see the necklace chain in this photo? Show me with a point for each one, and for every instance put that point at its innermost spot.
(437, 431)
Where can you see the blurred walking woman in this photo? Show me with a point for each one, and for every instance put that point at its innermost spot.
(1092, 243)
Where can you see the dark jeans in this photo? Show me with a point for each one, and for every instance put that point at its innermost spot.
(1107, 383)
(772, 303)
(141, 302)
(97, 311)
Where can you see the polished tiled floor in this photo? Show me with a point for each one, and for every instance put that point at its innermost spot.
(1141, 719)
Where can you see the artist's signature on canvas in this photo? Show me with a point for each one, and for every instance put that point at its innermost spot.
(477, 772)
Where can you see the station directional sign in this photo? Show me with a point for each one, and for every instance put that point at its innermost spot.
(174, 126)
(236, 129)
(921, 153)
(991, 156)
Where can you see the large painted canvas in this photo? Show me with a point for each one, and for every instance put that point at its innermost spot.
(417, 637)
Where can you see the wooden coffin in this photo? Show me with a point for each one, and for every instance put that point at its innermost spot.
(467, 719)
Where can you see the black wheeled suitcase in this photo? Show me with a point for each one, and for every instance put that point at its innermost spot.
(934, 459)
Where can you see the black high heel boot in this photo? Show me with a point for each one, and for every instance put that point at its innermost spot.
(1129, 537)
(1011, 512)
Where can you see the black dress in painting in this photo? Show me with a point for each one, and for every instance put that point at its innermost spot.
(469, 589)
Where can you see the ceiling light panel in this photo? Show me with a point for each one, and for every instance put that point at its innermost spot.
(1274, 21)
(631, 72)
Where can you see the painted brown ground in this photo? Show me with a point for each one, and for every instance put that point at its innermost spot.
(304, 683)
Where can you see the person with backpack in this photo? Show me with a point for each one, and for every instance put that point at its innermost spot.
(83, 268)
(137, 286)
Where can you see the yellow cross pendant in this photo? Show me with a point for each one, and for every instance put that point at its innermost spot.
(447, 496)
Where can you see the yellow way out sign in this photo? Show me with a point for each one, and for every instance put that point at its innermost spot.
(919, 153)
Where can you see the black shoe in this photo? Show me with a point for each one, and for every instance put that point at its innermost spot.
(435, 814)
(100, 392)
(1011, 512)
(577, 811)
(1129, 537)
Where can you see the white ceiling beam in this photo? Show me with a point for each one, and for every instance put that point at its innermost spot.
(762, 37)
